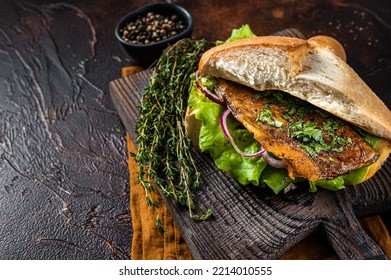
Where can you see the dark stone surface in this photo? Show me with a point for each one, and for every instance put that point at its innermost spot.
(63, 169)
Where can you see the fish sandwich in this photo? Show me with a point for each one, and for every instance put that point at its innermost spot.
(274, 111)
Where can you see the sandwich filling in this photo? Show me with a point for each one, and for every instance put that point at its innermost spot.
(314, 144)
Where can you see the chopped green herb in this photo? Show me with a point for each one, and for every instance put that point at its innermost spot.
(331, 124)
(298, 113)
(266, 116)
(310, 135)
(277, 123)
(309, 149)
(338, 150)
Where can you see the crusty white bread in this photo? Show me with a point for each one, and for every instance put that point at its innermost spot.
(335, 46)
(192, 126)
(308, 69)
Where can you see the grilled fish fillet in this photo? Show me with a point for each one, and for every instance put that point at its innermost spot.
(342, 151)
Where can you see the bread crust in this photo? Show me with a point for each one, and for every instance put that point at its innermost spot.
(322, 41)
(294, 47)
(310, 70)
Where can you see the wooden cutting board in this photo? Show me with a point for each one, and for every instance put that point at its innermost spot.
(253, 223)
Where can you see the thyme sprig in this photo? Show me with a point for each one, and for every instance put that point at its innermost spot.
(164, 150)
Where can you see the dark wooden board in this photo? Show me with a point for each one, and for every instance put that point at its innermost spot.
(253, 223)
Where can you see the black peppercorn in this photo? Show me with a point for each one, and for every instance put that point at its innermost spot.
(151, 28)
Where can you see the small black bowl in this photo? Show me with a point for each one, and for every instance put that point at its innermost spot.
(146, 54)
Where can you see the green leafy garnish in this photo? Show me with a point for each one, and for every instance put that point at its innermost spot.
(237, 34)
(266, 116)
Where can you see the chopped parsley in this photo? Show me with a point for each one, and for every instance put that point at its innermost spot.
(266, 116)
(310, 134)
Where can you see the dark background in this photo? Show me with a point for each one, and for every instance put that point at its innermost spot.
(63, 164)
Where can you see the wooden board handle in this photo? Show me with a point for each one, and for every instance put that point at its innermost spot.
(347, 237)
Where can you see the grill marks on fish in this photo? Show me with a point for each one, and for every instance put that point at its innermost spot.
(246, 105)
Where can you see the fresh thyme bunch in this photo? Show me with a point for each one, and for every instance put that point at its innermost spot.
(164, 150)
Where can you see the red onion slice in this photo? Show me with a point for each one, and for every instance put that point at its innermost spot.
(224, 127)
(223, 122)
(197, 74)
(207, 92)
(277, 163)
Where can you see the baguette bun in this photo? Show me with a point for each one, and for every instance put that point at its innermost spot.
(328, 42)
(313, 70)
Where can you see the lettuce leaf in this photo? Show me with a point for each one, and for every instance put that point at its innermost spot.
(276, 179)
(237, 34)
(212, 140)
